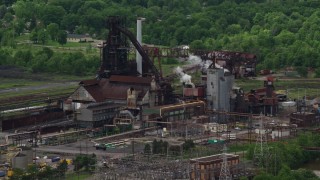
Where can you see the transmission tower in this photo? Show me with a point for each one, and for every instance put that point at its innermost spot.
(261, 151)
(225, 173)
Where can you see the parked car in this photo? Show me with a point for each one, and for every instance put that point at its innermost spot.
(237, 128)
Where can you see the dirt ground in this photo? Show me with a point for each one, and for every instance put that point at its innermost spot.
(7, 71)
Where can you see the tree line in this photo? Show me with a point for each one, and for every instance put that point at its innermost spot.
(284, 159)
(46, 60)
(280, 33)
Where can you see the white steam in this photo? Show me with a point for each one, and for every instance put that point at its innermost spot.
(194, 61)
(184, 77)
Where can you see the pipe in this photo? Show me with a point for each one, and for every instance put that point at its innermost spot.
(139, 39)
(181, 105)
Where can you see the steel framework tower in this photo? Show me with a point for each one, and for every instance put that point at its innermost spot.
(225, 172)
(261, 151)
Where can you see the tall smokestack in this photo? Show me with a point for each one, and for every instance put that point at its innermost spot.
(139, 39)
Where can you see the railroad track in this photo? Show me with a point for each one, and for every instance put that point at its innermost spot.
(30, 100)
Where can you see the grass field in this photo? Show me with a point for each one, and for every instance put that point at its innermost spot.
(75, 176)
(26, 83)
(8, 83)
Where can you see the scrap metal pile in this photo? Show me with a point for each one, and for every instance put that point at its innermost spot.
(144, 167)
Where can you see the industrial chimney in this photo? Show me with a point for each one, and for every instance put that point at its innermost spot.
(139, 39)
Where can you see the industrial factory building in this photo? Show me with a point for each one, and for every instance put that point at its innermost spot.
(97, 101)
(137, 90)
(209, 167)
(132, 98)
(113, 89)
(219, 88)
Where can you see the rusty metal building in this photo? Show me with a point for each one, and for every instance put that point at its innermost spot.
(304, 119)
(115, 89)
(96, 102)
(263, 100)
(209, 167)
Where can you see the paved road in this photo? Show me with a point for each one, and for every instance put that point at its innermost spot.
(87, 147)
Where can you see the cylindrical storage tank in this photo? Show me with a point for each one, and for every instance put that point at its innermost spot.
(20, 161)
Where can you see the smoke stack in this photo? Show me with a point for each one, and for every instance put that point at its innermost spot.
(139, 39)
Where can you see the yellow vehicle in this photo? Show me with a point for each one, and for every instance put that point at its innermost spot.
(42, 164)
(10, 172)
(69, 161)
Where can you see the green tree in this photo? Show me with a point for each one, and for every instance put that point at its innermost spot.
(43, 36)
(3, 10)
(38, 63)
(17, 174)
(18, 26)
(197, 44)
(147, 149)
(317, 73)
(69, 22)
(25, 10)
(7, 39)
(243, 178)
(34, 36)
(188, 144)
(23, 57)
(53, 30)
(51, 14)
(32, 171)
(62, 168)
(62, 37)
(264, 176)
(8, 17)
(46, 51)
(47, 173)
(303, 71)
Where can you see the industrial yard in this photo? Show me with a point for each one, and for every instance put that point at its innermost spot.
(137, 122)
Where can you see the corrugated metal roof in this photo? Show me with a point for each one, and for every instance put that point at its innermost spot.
(89, 82)
(130, 79)
(105, 106)
(95, 92)
(105, 89)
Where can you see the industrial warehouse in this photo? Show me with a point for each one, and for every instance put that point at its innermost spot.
(130, 104)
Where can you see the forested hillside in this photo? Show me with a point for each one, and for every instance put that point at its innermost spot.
(281, 32)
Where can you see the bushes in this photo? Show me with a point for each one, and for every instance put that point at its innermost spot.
(161, 147)
(170, 61)
(45, 60)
